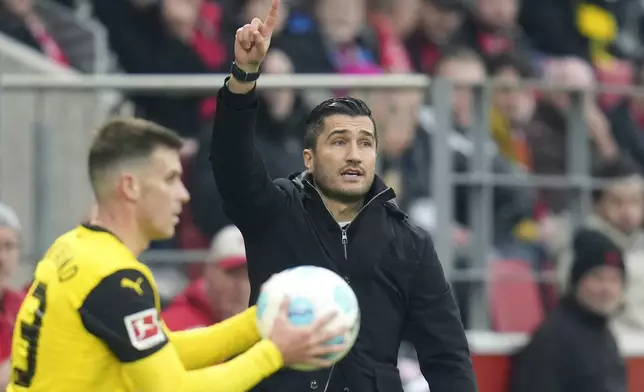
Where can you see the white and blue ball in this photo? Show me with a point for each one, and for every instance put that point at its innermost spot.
(314, 292)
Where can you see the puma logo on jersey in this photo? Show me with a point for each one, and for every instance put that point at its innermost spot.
(130, 284)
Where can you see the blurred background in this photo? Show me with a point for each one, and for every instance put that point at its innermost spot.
(505, 126)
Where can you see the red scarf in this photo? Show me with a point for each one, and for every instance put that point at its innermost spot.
(393, 55)
(209, 46)
(48, 44)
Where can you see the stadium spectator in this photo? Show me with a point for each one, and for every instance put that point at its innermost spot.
(492, 28)
(278, 140)
(150, 37)
(576, 28)
(547, 132)
(438, 25)
(19, 20)
(405, 15)
(10, 300)
(393, 56)
(626, 122)
(222, 292)
(338, 38)
(618, 213)
(512, 106)
(574, 348)
(511, 204)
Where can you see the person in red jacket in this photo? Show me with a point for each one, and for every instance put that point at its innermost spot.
(10, 300)
(222, 292)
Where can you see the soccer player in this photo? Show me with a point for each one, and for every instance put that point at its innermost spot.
(90, 321)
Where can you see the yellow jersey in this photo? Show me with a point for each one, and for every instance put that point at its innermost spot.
(90, 322)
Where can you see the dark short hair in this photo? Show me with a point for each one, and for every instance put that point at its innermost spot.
(123, 139)
(458, 53)
(501, 61)
(348, 106)
(614, 169)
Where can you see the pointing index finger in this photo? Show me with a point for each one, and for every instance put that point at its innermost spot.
(271, 19)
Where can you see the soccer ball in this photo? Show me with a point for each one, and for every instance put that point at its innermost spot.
(313, 292)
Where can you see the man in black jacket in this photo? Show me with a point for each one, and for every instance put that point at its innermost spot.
(574, 349)
(340, 216)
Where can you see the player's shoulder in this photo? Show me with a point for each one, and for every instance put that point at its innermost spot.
(86, 256)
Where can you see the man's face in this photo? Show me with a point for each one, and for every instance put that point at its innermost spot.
(9, 255)
(514, 103)
(462, 72)
(600, 289)
(343, 162)
(340, 20)
(438, 23)
(228, 289)
(622, 205)
(571, 73)
(158, 193)
(498, 13)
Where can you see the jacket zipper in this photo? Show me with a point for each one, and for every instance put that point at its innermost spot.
(345, 241)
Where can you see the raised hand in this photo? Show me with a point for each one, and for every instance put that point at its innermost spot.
(304, 345)
(253, 40)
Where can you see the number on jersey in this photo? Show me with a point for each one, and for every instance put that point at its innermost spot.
(30, 333)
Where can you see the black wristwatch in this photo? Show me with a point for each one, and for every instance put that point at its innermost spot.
(242, 75)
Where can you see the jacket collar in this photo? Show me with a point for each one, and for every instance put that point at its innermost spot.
(379, 191)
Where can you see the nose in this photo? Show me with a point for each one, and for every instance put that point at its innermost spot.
(184, 195)
(353, 153)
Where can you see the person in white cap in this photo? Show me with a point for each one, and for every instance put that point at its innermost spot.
(222, 292)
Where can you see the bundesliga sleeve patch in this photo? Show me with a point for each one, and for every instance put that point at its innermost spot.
(144, 329)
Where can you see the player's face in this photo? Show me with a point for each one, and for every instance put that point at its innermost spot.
(9, 254)
(344, 160)
(162, 194)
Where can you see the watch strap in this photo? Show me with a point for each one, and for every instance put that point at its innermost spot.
(242, 75)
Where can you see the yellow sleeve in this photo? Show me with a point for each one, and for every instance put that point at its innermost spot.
(164, 372)
(203, 347)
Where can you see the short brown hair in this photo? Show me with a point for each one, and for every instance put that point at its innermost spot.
(123, 139)
(458, 53)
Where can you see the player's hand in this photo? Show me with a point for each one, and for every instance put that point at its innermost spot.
(307, 344)
(253, 40)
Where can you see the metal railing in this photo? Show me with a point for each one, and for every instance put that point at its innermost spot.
(46, 123)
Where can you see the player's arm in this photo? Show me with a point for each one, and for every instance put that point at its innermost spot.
(128, 322)
(222, 340)
(436, 329)
(250, 198)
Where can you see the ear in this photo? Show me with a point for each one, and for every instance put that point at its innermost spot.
(129, 186)
(308, 159)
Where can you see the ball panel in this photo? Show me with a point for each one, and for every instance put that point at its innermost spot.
(301, 311)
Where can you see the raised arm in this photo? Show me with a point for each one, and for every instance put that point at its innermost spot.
(436, 328)
(250, 198)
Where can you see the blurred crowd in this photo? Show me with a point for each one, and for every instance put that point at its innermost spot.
(579, 43)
